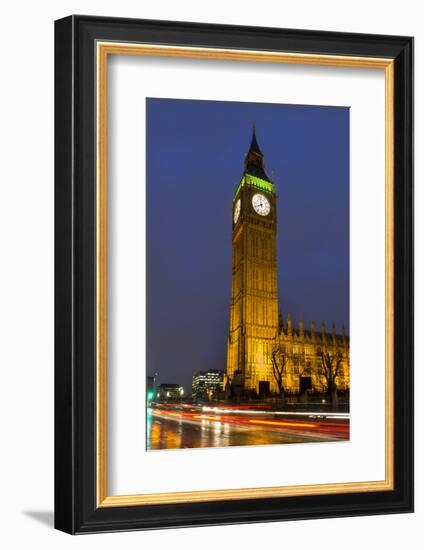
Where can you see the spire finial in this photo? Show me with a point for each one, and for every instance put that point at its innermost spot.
(254, 147)
(254, 161)
(289, 323)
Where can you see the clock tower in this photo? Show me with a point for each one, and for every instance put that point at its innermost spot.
(254, 294)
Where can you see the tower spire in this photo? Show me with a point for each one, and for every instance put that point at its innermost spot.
(254, 147)
(254, 161)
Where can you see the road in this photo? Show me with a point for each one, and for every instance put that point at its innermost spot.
(186, 426)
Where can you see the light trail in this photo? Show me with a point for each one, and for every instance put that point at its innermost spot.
(281, 423)
(179, 426)
(321, 427)
(309, 414)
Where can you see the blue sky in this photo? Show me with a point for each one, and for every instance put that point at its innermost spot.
(195, 156)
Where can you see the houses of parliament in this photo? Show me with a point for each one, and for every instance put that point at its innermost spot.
(258, 333)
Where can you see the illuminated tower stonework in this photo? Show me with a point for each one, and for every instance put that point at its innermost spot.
(254, 324)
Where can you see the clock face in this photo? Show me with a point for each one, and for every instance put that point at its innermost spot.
(237, 211)
(261, 204)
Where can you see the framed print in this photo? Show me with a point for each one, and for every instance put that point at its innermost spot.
(233, 266)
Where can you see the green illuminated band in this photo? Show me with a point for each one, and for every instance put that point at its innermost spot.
(254, 181)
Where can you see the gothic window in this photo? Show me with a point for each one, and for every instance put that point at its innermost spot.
(308, 366)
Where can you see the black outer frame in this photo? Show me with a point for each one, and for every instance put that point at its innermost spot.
(75, 275)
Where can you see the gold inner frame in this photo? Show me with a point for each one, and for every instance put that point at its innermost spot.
(104, 49)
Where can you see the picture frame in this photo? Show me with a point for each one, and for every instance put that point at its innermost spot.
(83, 45)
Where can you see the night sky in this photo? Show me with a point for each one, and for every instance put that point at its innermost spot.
(195, 159)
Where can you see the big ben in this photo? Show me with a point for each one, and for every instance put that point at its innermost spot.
(254, 296)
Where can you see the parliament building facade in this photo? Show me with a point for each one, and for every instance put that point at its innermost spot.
(257, 329)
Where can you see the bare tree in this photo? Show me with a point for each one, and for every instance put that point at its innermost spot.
(279, 361)
(329, 369)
